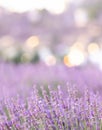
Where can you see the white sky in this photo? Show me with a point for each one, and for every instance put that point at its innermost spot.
(54, 6)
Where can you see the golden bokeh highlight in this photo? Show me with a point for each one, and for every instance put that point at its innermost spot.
(93, 48)
(32, 42)
(66, 61)
(75, 57)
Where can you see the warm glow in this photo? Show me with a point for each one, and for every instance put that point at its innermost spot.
(93, 48)
(50, 60)
(32, 42)
(76, 57)
(54, 6)
(67, 61)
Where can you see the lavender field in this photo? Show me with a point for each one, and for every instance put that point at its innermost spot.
(19, 79)
(53, 111)
(38, 97)
(50, 65)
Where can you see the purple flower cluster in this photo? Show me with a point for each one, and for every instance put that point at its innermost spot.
(53, 109)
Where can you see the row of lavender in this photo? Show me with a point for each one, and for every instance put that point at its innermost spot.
(20, 78)
(53, 111)
(74, 105)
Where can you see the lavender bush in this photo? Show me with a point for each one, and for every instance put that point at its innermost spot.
(53, 110)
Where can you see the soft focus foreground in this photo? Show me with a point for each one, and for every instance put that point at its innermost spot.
(19, 79)
(52, 110)
(74, 105)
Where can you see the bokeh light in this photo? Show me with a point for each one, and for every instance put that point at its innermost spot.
(32, 42)
(93, 48)
(50, 31)
(76, 56)
(67, 61)
(50, 60)
(54, 6)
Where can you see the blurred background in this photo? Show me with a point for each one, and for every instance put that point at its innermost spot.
(51, 31)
